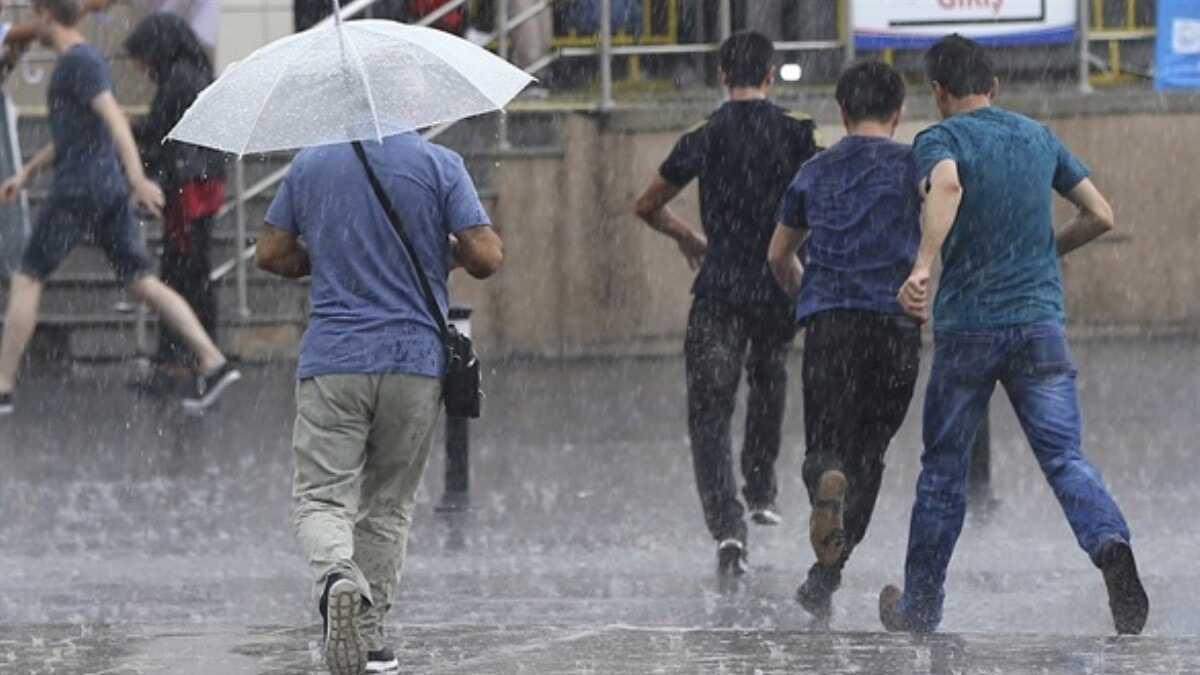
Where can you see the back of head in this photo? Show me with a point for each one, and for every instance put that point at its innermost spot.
(65, 12)
(870, 90)
(961, 66)
(164, 40)
(746, 59)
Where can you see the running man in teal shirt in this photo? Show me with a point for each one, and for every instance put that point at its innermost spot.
(987, 176)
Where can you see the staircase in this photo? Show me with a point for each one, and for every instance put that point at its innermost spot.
(86, 316)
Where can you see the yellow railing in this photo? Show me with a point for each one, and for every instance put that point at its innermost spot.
(1115, 35)
(646, 37)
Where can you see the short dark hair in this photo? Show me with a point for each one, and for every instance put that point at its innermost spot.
(746, 59)
(960, 65)
(870, 90)
(65, 12)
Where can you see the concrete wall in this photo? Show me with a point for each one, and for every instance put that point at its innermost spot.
(584, 276)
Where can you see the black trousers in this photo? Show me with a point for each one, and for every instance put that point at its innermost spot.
(185, 267)
(860, 369)
(723, 338)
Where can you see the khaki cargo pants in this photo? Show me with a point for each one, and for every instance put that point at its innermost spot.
(361, 444)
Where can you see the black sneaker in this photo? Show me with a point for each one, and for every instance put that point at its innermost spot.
(6, 404)
(345, 649)
(382, 661)
(765, 515)
(210, 387)
(815, 595)
(732, 559)
(1126, 596)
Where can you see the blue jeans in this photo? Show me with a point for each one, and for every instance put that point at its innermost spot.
(1034, 365)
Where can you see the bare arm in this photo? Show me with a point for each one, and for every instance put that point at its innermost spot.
(479, 250)
(1094, 219)
(15, 183)
(942, 200)
(280, 252)
(652, 208)
(145, 191)
(781, 256)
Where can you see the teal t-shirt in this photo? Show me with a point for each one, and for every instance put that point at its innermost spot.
(1000, 262)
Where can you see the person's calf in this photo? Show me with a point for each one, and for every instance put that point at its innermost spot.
(180, 317)
(826, 531)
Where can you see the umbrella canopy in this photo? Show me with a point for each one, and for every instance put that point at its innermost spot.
(340, 82)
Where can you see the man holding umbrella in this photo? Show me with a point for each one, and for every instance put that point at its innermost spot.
(378, 217)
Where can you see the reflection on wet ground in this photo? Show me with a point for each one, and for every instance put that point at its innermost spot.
(135, 540)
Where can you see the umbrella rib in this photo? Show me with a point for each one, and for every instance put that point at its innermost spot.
(362, 69)
(263, 108)
(368, 27)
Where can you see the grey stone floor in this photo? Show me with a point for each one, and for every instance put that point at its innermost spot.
(134, 540)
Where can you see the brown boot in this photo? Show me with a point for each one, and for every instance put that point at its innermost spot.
(889, 610)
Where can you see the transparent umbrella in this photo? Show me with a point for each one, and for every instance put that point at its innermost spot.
(347, 81)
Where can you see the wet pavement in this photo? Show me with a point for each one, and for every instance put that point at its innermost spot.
(135, 540)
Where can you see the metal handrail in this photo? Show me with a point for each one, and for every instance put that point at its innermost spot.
(243, 194)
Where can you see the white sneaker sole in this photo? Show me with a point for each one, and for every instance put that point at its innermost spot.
(197, 406)
(345, 649)
(392, 666)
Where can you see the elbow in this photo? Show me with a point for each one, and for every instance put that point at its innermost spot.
(645, 209)
(1107, 219)
(487, 265)
(265, 261)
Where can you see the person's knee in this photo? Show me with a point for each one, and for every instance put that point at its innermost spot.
(25, 283)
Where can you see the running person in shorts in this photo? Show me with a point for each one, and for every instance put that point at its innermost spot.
(90, 196)
(859, 208)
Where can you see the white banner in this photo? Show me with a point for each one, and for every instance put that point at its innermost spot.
(880, 24)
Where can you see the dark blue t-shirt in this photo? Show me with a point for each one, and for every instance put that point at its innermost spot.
(368, 312)
(744, 155)
(85, 163)
(1000, 261)
(859, 202)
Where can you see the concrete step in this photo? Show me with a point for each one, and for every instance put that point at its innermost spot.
(113, 336)
(90, 294)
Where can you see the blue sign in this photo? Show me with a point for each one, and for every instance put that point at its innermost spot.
(1177, 59)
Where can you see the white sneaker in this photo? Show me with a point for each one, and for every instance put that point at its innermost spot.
(766, 515)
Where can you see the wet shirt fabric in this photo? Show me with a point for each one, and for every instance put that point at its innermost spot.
(368, 314)
(1000, 262)
(744, 156)
(85, 163)
(859, 202)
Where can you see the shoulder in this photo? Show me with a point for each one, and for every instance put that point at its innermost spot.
(696, 130)
(798, 121)
(938, 134)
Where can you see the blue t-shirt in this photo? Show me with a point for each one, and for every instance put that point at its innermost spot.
(368, 313)
(1000, 261)
(859, 202)
(85, 163)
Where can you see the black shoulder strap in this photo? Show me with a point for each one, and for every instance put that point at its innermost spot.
(390, 210)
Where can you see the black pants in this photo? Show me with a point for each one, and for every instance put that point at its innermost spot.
(185, 267)
(860, 369)
(721, 339)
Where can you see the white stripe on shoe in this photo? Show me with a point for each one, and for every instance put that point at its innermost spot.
(196, 406)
